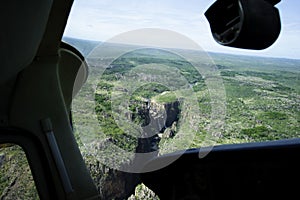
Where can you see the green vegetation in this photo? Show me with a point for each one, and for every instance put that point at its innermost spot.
(147, 91)
(16, 181)
(258, 133)
(261, 94)
(262, 100)
(165, 97)
(123, 78)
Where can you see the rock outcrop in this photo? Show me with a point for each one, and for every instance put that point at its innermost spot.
(159, 118)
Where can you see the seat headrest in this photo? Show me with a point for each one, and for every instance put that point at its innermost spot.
(23, 25)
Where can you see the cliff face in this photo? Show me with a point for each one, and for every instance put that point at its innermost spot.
(160, 118)
(163, 115)
(157, 120)
(112, 184)
(172, 112)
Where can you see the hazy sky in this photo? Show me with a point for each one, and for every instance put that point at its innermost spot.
(102, 19)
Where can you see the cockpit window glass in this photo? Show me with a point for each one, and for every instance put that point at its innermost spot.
(159, 83)
(261, 87)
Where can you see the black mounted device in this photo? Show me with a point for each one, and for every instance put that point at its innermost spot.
(246, 24)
